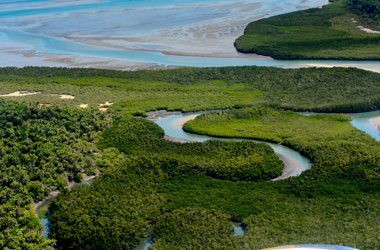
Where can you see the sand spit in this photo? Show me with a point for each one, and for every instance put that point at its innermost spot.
(290, 169)
(376, 122)
(20, 93)
(182, 122)
(192, 29)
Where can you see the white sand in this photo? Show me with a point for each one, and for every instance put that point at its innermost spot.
(291, 168)
(376, 122)
(105, 104)
(83, 105)
(368, 30)
(20, 93)
(181, 122)
(201, 29)
(66, 96)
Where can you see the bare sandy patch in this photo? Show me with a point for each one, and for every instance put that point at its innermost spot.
(102, 106)
(368, 30)
(64, 96)
(83, 105)
(292, 167)
(20, 93)
(106, 104)
(376, 122)
(43, 105)
(181, 122)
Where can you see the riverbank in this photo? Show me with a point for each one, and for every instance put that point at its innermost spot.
(376, 122)
(292, 166)
(69, 186)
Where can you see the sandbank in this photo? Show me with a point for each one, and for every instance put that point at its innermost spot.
(194, 29)
(181, 122)
(376, 122)
(292, 167)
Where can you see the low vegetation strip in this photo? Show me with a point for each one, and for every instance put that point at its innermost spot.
(326, 33)
(189, 89)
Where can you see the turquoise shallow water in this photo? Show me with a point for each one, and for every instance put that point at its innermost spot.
(40, 25)
(57, 45)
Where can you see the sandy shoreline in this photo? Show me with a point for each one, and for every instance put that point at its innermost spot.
(291, 167)
(376, 122)
(193, 29)
(182, 122)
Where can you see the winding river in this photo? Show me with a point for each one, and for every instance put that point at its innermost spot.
(172, 128)
(35, 29)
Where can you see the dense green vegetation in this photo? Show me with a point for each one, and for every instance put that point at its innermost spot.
(334, 145)
(336, 202)
(41, 150)
(186, 89)
(230, 160)
(327, 33)
(367, 10)
(148, 181)
(203, 229)
(115, 211)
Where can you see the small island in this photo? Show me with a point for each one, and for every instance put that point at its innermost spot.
(341, 30)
